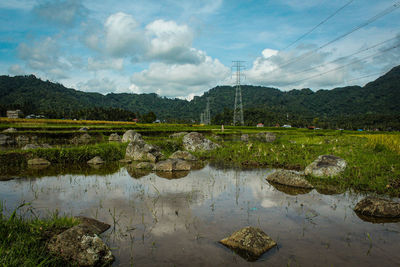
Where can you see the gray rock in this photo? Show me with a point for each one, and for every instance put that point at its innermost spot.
(182, 155)
(5, 140)
(22, 140)
(84, 129)
(244, 138)
(95, 226)
(80, 246)
(145, 165)
(140, 151)
(96, 160)
(131, 136)
(10, 130)
(45, 145)
(114, 138)
(378, 207)
(195, 141)
(266, 137)
(326, 166)
(289, 178)
(30, 146)
(177, 135)
(38, 161)
(249, 242)
(170, 165)
(84, 139)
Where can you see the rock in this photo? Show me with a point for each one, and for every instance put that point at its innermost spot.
(95, 226)
(266, 137)
(38, 161)
(249, 242)
(289, 178)
(96, 160)
(10, 130)
(45, 145)
(378, 207)
(5, 140)
(83, 129)
(131, 136)
(140, 151)
(326, 166)
(145, 165)
(244, 138)
(84, 139)
(182, 155)
(80, 246)
(177, 135)
(22, 140)
(114, 138)
(195, 141)
(30, 146)
(170, 165)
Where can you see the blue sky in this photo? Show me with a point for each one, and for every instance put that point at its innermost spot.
(183, 48)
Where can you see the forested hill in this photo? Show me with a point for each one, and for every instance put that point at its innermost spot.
(381, 96)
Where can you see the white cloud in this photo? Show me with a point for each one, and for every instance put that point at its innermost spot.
(16, 70)
(98, 85)
(63, 12)
(180, 79)
(103, 64)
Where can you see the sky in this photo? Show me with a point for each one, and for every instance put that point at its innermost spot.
(179, 48)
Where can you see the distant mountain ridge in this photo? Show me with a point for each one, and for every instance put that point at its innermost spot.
(381, 96)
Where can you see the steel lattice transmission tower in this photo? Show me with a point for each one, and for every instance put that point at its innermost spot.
(238, 108)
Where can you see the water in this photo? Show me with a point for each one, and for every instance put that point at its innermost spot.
(177, 221)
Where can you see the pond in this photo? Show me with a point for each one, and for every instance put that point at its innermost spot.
(177, 221)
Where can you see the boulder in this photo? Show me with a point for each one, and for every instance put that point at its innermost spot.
(10, 130)
(114, 138)
(38, 161)
(244, 138)
(21, 140)
(95, 226)
(140, 151)
(182, 155)
(131, 136)
(326, 166)
(177, 135)
(80, 246)
(170, 165)
(5, 140)
(378, 207)
(289, 178)
(195, 141)
(84, 139)
(96, 160)
(145, 165)
(266, 137)
(249, 242)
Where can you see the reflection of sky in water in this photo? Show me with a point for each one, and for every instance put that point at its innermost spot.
(177, 222)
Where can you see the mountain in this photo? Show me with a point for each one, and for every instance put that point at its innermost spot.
(377, 98)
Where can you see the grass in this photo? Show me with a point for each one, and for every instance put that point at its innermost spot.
(23, 241)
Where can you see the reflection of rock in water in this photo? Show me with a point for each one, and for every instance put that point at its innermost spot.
(377, 220)
(197, 165)
(290, 190)
(38, 167)
(328, 189)
(137, 173)
(172, 175)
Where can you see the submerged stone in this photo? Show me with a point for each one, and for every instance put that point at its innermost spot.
(378, 207)
(326, 166)
(289, 178)
(249, 242)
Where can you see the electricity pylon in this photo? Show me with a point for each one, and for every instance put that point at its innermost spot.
(238, 108)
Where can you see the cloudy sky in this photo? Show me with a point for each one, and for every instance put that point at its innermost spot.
(180, 48)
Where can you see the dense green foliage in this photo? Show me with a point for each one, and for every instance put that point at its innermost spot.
(372, 106)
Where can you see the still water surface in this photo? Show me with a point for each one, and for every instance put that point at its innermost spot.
(177, 221)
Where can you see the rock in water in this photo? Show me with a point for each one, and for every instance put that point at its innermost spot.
(145, 165)
(195, 141)
(289, 178)
(249, 242)
(131, 136)
(38, 161)
(80, 246)
(140, 151)
(22, 140)
(95, 226)
(114, 138)
(170, 165)
(378, 207)
(182, 155)
(326, 166)
(96, 160)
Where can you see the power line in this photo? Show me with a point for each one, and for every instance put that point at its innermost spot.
(319, 24)
(342, 58)
(340, 67)
(366, 76)
(369, 21)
